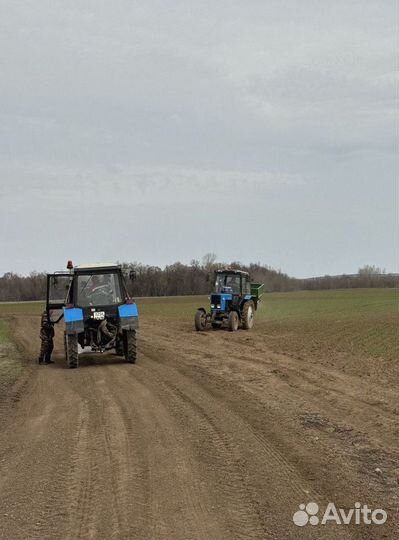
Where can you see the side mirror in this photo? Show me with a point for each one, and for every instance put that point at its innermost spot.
(132, 275)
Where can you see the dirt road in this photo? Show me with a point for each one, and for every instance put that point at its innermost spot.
(210, 436)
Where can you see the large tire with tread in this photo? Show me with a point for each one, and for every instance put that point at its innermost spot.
(200, 320)
(130, 346)
(248, 315)
(119, 347)
(234, 321)
(71, 350)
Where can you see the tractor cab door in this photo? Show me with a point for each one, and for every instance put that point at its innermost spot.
(58, 286)
(246, 285)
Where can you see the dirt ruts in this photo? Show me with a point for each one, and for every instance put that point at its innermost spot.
(209, 436)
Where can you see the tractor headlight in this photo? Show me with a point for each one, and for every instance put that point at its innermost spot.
(212, 306)
(218, 306)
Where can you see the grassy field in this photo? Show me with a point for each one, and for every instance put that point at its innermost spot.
(355, 321)
(3, 332)
(10, 363)
(363, 322)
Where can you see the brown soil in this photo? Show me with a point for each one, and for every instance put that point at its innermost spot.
(209, 436)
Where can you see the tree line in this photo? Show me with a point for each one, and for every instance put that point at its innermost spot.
(186, 279)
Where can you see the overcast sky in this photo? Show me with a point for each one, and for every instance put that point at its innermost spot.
(157, 131)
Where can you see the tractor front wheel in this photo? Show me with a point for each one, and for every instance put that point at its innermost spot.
(71, 350)
(200, 320)
(233, 321)
(248, 315)
(130, 346)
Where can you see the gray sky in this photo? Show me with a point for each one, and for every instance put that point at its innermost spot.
(157, 131)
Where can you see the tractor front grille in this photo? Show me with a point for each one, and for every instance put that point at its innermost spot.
(215, 300)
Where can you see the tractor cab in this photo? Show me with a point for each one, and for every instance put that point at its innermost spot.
(232, 282)
(230, 288)
(98, 288)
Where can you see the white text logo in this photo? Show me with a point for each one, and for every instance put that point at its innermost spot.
(308, 514)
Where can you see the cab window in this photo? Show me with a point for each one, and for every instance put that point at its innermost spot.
(98, 290)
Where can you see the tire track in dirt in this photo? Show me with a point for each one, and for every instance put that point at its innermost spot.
(97, 506)
(258, 480)
(175, 507)
(187, 444)
(339, 396)
(344, 396)
(34, 471)
(81, 499)
(335, 470)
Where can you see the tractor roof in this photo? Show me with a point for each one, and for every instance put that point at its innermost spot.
(231, 271)
(96, 267)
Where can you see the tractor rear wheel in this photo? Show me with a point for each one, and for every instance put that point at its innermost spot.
(71, 350)
(200, 320)
(119, 347)
(130, 346)
(233, 321)
(248, 315)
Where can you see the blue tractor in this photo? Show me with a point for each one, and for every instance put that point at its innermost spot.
(94, 303)
(234, 302)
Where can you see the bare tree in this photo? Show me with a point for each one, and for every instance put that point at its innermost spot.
(208, 261)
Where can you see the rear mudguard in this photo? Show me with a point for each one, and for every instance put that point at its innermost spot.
(128, 316)
(73, 318)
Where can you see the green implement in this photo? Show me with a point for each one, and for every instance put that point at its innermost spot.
(257, 290)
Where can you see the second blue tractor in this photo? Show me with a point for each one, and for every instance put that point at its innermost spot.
(234, 301)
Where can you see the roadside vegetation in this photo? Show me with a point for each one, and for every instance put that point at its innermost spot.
(10, 364)
(193, 279)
